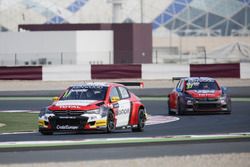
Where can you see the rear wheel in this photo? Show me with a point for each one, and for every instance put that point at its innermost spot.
(110, 122)
(141, 121)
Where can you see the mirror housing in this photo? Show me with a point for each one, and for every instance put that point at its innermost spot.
(115, 99)
(224, 89)
(178, 90)
(55, 98)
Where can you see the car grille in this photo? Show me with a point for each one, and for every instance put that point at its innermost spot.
(206, 99)
(68, 113)
(207, 106)
(74, 121)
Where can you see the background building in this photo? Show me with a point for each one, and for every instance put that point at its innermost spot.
(184, 31)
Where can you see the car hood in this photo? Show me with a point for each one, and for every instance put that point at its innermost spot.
(74, 105)
(204, 93)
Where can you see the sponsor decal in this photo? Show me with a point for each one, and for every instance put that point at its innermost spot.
(101, 123)
(70, 106)
(123, 111)
(116, 105)
(66, 127)
(74, 103)
(206, 91)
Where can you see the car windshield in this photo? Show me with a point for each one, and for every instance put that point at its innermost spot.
(85, 93)
(203, 85)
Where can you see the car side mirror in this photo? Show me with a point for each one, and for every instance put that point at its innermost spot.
(224, 89)
(55, 98)
(115, 99)
(178, 90)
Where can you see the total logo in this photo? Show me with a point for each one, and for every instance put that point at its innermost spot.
(70, 106)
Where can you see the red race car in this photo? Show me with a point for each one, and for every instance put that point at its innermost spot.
(198, 94)
(94, 106)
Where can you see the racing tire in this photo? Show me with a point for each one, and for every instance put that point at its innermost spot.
(110, 122)
(141, 121)
(229, 108)
(44, 132)
(179, 108)
(170, 112)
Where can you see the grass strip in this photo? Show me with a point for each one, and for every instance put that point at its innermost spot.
(18, 122)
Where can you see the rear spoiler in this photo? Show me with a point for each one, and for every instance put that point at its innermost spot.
(177, 78)
(141, 84)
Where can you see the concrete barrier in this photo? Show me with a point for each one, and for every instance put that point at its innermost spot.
(21, 73)
(124, 71)
(215, 70)
(244, 70)
(66, 72)
(164, 71)
(116, 71)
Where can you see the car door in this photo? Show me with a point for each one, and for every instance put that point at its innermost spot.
(124, 109)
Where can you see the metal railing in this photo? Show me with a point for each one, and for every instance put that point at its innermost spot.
(55, 58)
(67, 58)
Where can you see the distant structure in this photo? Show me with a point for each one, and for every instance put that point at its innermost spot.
(180, 28)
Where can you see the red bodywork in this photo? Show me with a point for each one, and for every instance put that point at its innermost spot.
(200, 100)
(134, 100)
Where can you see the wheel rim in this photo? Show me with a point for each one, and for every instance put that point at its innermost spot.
(142, 119)
(111, 123)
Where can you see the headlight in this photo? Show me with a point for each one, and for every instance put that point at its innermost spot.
(223, 99)
(44, 111)
(189, 100)
(96, 111)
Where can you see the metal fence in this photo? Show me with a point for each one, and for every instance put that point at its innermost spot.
(56, 58)
(159, 56)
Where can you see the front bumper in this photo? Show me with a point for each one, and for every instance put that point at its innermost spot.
(206, 106)
(71, 123)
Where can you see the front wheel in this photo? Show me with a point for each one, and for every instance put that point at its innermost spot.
(141, 121)
(110, 122)
(179, 108)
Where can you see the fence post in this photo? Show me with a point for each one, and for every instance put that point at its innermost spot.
(156, 56)
(15, 59)
(61, 57)
(110, 57)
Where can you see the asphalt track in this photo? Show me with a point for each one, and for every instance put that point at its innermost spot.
(238, 121)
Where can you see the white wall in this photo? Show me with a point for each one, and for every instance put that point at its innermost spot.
(35, 42)
(164, 71)
(245, 70)
(94, 47)
(66, 72)
(58, 47)
(31, 46)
